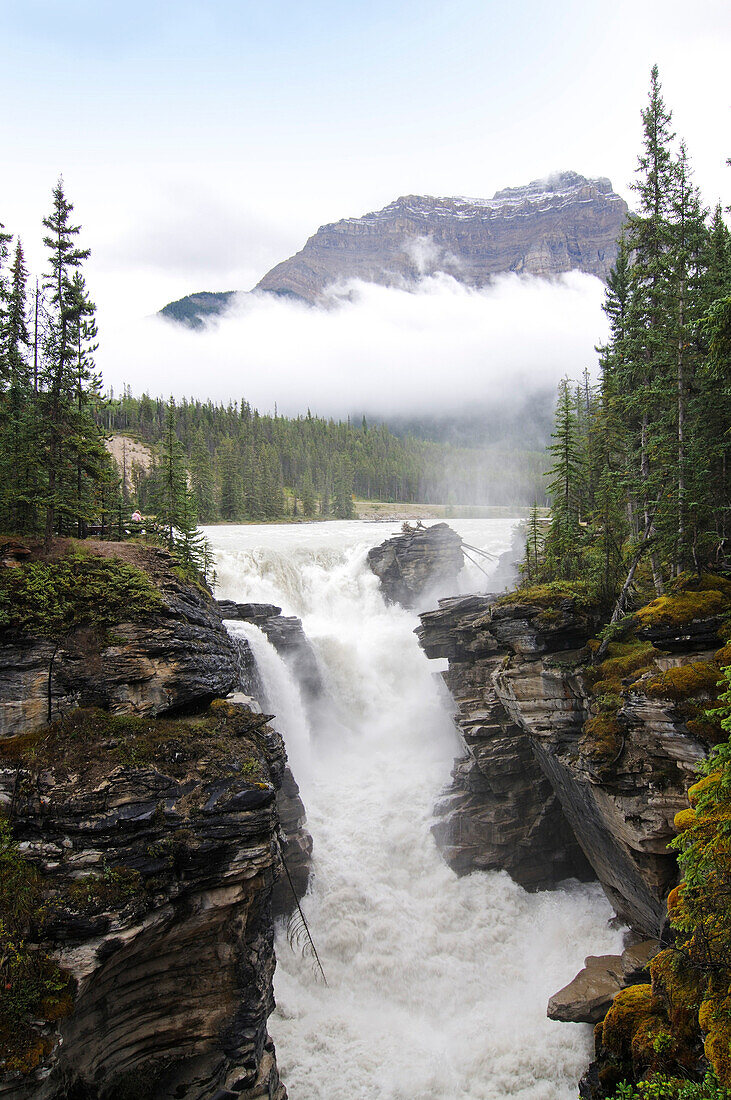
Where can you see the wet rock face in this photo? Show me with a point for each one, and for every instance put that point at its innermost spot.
(409, 564)
(586, 999)
(288, 638)
(500, 812)
(522, 661)
(622, 813)
(157, 878)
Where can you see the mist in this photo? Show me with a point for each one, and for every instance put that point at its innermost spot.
(434, 351)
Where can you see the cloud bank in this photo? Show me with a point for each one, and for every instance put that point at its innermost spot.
(385, 351)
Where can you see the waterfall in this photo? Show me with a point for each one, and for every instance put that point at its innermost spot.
(437, 985)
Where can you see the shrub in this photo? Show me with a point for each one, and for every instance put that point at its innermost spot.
(53, 597)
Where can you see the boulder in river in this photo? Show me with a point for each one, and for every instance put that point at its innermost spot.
(418, 559)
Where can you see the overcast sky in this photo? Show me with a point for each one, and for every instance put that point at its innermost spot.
(203, 142)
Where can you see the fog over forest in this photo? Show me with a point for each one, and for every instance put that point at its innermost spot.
(387, 352)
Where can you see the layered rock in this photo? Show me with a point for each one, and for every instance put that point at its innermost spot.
(586, 999)
(546, 228)
(288, 638)
(620, 799)
(418, 559)
(156, 829)
(156, 847)
(566, 223)
(500, 812)
(168, 658)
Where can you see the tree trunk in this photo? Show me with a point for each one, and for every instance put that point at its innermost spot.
(649, 516)
(681, 555)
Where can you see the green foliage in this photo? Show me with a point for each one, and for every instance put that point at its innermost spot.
(553, 593)
(173, 499)
(53, 597)
(255, 458)
(673, 1088)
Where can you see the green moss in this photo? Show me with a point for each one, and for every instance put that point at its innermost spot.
(684, 681)
(625, 661)
(684, 606)
(602, 738)
(90, 739)
(681, 987)
(51, 598)
(635, 1017)
(548, 596)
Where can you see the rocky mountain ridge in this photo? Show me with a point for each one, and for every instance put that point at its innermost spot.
(546, 228)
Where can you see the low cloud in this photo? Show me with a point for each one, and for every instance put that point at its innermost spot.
(392, 352)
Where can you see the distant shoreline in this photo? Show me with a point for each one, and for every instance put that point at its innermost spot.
(368, 511)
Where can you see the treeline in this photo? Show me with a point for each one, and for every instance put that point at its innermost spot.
(211, 462)
(639, 483)
(57, 477)
(245, 465)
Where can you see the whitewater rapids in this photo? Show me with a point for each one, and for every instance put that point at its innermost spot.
(437, 985)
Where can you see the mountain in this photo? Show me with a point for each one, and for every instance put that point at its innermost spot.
(195, 308)
(565, 223)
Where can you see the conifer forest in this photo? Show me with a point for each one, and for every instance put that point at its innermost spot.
(638, 477)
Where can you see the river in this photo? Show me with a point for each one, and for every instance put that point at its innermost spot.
(437, 985)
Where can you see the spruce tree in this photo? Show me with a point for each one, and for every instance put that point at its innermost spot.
(60, 380)
(202, 478)
(18, 450)
(566, 473)
(171, 481)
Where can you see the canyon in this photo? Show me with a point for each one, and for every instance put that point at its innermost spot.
(157, 808)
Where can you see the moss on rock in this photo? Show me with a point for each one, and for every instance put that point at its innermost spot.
(683, 682)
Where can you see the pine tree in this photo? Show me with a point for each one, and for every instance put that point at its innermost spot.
(564, 536)
(170, 499)
(343, 502)
(309, 503)
(61, 351)
(534, 545)
(230, 481)
(687, 248)
(202, 478)
(647, 367)
(19, 472)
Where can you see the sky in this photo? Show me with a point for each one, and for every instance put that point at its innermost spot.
(202, 143)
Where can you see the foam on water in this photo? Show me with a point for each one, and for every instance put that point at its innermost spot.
(437, 985)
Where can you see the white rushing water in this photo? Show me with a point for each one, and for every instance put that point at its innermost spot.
(437, 985)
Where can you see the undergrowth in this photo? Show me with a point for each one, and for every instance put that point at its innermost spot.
(51, 598)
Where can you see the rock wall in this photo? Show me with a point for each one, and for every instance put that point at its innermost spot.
(526, 660)
(155, 823)
(156, 880)
(500, 812)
